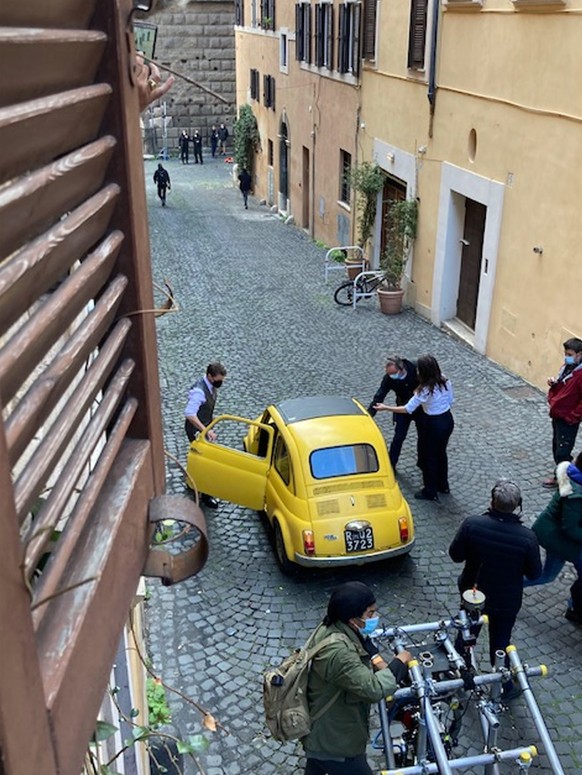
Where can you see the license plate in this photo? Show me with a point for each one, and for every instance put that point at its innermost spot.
(359, 540)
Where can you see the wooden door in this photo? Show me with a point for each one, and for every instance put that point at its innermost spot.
(471, 262)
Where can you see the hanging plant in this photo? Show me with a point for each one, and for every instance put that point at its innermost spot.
(401, 226)
(367, 180)
(247, 139)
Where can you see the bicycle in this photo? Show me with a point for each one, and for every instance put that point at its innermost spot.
(363, 287)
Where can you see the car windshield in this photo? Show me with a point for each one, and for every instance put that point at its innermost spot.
(343, 461)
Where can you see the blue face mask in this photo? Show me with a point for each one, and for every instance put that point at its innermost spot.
(569, 360)
(369, 626)
(397, 376)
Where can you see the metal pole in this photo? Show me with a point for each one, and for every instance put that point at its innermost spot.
(522, 756)
(520, 673)
(386, 736)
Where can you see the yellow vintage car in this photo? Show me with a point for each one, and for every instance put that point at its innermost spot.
(319, 468)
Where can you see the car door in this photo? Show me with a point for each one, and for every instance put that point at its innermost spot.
(222, 469)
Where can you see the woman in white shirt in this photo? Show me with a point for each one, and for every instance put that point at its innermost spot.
(435, 395)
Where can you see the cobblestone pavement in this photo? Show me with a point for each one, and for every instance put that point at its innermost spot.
(251, 294)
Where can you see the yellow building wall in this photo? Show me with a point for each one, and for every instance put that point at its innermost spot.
(322, 116)
(513, 78)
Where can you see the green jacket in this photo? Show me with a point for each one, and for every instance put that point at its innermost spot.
(343, 730)
(559, 526)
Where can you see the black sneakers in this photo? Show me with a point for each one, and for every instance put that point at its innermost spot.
(572, 616)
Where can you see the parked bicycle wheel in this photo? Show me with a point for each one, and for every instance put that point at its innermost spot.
(344, 295)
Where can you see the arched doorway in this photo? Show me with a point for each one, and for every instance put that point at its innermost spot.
(284, 165)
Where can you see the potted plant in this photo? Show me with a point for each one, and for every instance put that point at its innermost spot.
(247, 139)
(400, 232)
(366, 180)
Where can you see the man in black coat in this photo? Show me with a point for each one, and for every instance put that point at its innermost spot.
(402, 379)
(498, 551)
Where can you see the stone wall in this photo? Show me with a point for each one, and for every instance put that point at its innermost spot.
(197, 40)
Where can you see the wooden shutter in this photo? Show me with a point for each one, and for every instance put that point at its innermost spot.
(330, 38)
(356, 50)
(273, 92)
(342, 44)
(81, 449)
(239, 12)
(417, 34)
(307, 30)
(370, 10)
(299, 32)
(318, 53)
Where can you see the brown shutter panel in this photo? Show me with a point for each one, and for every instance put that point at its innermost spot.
(299, 32)
(417, 34)
(330, 37)
(318, 55)
(370, 10)
(356, 49)
(79, 389)
(307, 22)
(342, 47)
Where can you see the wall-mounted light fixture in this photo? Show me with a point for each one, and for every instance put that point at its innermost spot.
(390, 158)
(538, 249)
(422, 149)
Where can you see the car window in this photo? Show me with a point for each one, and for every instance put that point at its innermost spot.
(281, 460)
(343, 461)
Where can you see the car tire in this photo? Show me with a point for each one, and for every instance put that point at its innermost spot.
(283, 562)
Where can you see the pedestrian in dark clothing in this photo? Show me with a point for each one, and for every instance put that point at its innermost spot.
(162, 179)
(213, 140)
(245, 185)
(498, 551)
(347, 676)
(559, 531)
(401, 378)
(197, 142)
(222, 138)
(184, 142)
(200, 409)
(435, 424)
(565, 402)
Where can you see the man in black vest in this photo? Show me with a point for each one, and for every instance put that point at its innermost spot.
(200, 408)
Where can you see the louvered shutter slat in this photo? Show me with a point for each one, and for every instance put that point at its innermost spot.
(72, 14)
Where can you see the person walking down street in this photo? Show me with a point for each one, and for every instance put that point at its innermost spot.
(245, 185)
(200, 410)
(184, 142)
(213, 140)
(197, 142)
(565, 402)
(498, 551)
(222, 138)
(434, 394)
(401, 378)
(347, 676)
(162, 179)
(559, 532)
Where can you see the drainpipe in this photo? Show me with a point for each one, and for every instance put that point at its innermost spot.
(432, 87)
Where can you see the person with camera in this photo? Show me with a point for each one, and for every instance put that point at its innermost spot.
(347, 677)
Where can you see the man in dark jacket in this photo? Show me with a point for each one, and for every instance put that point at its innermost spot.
(402, 379)
(498, 551)
(197, 143)
(565, 402)
(346, 678)
(162, 180)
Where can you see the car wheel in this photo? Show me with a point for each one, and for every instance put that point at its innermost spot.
(280, 553)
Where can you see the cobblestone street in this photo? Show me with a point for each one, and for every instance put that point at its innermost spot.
(251, 294)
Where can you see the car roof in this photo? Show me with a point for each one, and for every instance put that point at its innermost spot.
(294, 410)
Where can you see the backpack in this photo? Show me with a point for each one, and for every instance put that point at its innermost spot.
(163, 177)
(285, 692)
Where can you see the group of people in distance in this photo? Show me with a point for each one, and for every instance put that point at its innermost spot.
(218, 143)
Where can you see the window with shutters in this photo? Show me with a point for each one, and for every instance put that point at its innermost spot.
(348, 60)
(369, 29)
(303, 32)
(324, 35)
(345, 166)
(283, 51)
(81, 446)
(417, 34)
(239, 11)
(268, 14)
(254, 84)
(269, 91)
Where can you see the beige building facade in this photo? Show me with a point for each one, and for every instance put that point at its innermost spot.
(471, 106)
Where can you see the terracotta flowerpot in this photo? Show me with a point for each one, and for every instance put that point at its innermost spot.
(390, 301)
(354, 267)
